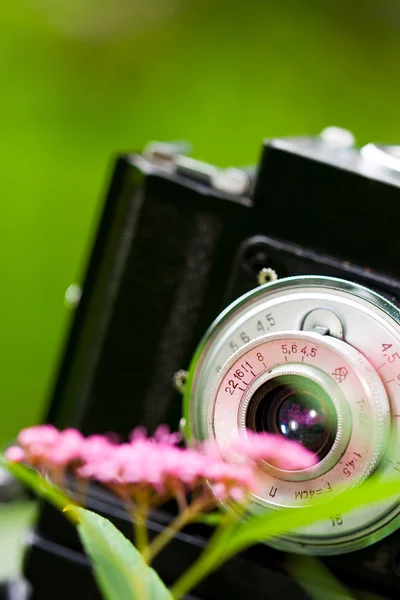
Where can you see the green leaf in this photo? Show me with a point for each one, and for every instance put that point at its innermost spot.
(38, 484)
(263, 526)
(120, 570)
(212, 519)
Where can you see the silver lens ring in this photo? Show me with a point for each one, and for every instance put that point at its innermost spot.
(364, 367)
(343, 425)
(356, 450)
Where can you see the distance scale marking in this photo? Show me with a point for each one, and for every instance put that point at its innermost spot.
(388, 370)
(262, 356)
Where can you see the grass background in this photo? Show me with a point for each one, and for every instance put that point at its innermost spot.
(83, 79)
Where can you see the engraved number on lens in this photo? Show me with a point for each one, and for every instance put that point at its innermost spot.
(338, 396)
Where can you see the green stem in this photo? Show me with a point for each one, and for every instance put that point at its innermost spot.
(259, 528)
(140, 528)
(205, 564)
(188, 515)
(229, 521)
(208, 560)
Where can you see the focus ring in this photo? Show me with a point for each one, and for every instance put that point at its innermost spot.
(357, 384)
(378, 397)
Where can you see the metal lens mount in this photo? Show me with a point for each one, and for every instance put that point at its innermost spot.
(317, 360)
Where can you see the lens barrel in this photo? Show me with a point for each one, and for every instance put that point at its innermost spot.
(262, 367)
(298, 409)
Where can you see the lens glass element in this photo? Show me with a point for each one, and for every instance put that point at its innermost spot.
(297, 408)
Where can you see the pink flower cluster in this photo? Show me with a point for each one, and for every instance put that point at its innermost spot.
(159, 467)
(45, 446)
(156, 466)
(276, 450)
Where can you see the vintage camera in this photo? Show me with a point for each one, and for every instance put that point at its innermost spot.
(184, 272)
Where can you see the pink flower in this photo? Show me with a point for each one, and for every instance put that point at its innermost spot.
(139, 433)
(232, 476)
(95, 447)
(66, 449)
(156, 466)
(39, 434)
(223, 492)
(164, 435)
(45, 446)
(159, 467)
(15, 454)
(183, 465)
(37, 443)
(275, 449)
(105, 472)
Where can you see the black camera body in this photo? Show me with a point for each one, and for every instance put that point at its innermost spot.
(178, 241)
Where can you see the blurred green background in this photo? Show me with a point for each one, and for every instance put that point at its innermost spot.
(83, 79)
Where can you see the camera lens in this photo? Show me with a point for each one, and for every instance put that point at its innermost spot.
(298, 409)
(335, 393)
